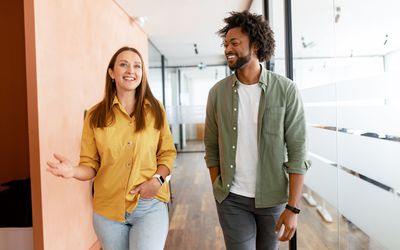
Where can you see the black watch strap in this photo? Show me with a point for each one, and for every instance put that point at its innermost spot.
(293, 209)
(159, 178)
(162, 179)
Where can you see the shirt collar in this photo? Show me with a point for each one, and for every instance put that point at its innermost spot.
(262, 81)
(116, 102)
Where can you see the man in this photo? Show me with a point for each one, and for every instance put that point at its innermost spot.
(254, 122)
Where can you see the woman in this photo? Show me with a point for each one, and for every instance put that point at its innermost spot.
(128, 149)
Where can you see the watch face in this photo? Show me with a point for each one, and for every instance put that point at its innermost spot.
(162, 179)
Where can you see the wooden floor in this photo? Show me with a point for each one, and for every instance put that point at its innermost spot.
(194, 222)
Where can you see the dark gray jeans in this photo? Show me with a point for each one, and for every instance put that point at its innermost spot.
(246, 227)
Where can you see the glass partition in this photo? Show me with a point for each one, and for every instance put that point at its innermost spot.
(368, 121)
(277, 22)
(313, 56)
(155, 72)
(346, 63)
(188, 93)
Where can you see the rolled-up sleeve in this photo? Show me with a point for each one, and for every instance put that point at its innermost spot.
(211, 133)
(166, 152)
(89, 155)
(295, 133)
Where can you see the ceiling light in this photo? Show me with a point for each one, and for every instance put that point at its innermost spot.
(201, 66)
(141, 20)
(305, 44)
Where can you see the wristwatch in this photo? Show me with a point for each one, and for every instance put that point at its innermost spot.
(159, 178)
(293, 209)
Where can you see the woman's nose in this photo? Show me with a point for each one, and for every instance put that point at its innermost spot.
(130, 69)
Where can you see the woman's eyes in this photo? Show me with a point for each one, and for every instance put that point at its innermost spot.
(136, 66)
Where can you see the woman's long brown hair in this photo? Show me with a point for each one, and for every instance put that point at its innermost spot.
(103, 114)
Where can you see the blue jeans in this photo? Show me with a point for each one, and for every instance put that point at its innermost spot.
(146, 228)
(246, 227)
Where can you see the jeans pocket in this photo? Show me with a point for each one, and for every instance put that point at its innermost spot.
(146, 199)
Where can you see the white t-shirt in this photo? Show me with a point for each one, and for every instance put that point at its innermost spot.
(244, 181)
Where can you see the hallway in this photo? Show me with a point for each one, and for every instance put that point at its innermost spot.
(194, 222)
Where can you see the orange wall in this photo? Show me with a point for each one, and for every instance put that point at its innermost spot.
(14, 150)
(74, 41)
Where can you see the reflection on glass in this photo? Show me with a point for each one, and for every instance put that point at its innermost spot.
(276, 16)
(346, 63)
(188, 89)
(155, 72)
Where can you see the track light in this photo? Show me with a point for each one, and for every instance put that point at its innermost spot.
(386, 39)
(337, 16)
(306, 45)
(201, 66)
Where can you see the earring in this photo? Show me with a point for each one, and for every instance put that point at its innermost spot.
(112, 80)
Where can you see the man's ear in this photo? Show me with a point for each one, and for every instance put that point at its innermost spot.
(255, 48)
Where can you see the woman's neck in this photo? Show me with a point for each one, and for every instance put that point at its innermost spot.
(127, 100)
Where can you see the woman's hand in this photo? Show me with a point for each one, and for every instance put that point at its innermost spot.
(147, 189)
(62, 168)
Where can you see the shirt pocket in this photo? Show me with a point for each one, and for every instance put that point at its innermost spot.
(274, 120)
(108, 144)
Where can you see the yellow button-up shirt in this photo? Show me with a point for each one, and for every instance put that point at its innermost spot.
(123, 159)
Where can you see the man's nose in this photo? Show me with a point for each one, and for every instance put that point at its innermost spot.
(228, 49)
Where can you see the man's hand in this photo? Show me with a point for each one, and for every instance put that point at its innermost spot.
(289, 220)
(214, 172)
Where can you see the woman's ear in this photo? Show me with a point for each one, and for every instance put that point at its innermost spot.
(111, 73)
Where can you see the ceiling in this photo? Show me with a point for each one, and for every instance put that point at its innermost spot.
(174, 26)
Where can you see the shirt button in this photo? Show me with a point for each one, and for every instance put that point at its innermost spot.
(228, 185)
(234, 128)
(234, 109)
(233, 147)
(235, 90)
(129, 142)
(231, 166)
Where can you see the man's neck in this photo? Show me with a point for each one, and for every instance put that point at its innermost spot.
(250, 73)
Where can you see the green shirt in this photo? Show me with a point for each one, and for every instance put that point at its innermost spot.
(281, 136)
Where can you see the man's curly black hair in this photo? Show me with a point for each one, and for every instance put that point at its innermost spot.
(258, 29)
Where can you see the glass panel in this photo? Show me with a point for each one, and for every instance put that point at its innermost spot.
(346, 63)
(155, 72)
(189, 91)
(314, 72)
(276, 20)
(368, 47)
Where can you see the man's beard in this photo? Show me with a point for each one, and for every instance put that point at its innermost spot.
(240, 62)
